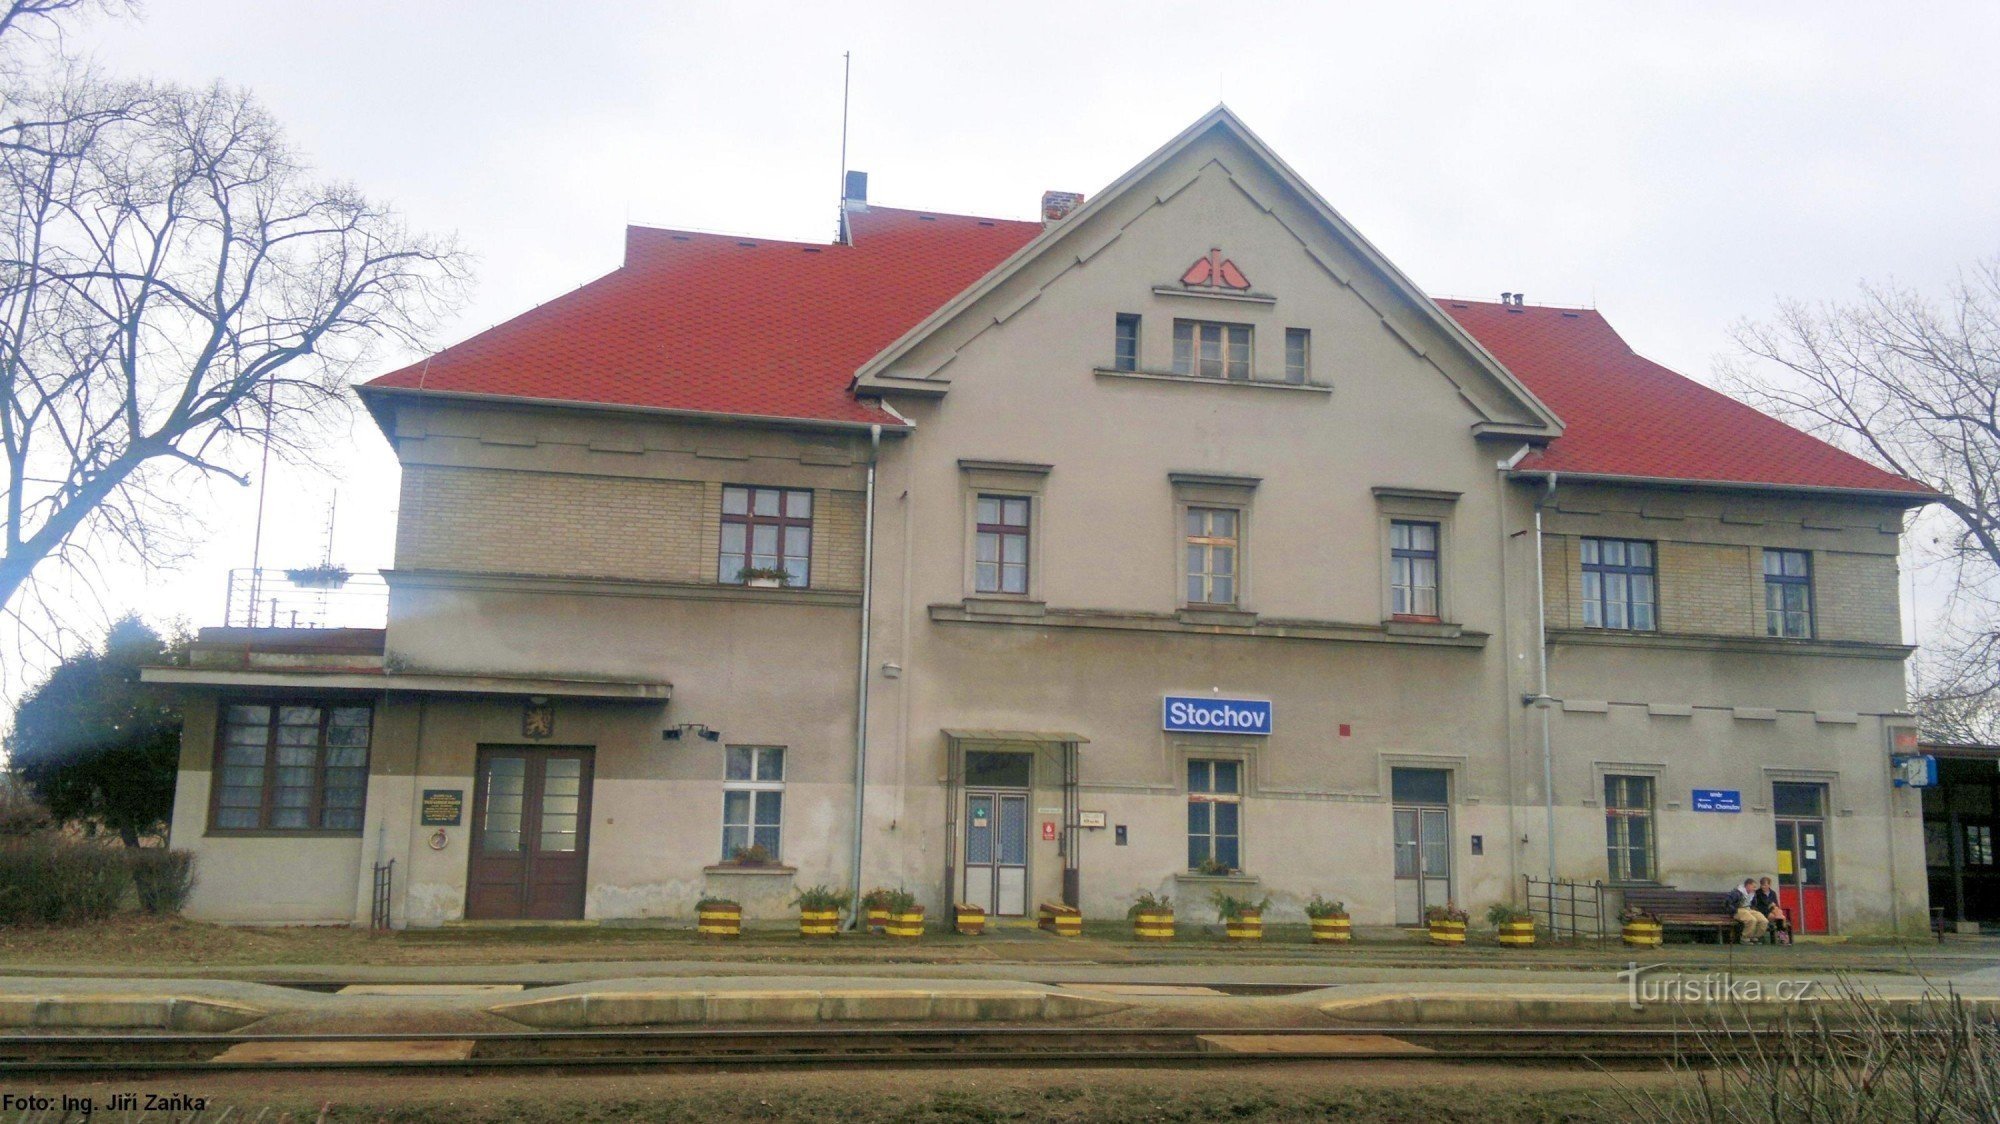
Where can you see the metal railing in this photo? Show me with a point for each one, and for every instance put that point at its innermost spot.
(1567, 909)
(306, 598)
(378, 911)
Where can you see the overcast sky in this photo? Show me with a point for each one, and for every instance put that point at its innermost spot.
(1678, 171)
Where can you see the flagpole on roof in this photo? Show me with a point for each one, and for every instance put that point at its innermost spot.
(846, 76)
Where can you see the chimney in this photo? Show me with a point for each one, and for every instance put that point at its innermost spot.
(1056, 205)
(855, 194)
(1506, 298)
(1519, 298)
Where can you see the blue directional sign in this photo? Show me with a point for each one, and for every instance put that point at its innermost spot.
(1718, 800)
(1198, 715)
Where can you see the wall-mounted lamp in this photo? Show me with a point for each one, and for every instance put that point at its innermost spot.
(674, 733)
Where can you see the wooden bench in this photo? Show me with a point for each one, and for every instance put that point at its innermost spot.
(1062, 920)
(1687, 911)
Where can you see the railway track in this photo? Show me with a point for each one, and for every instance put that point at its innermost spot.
(823, 1047)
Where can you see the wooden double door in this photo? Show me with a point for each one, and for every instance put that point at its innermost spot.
(530, 833)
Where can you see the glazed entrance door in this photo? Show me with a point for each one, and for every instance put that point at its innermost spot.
(996, 852)
(1422, 823)
(530, 834)
(1801, 837)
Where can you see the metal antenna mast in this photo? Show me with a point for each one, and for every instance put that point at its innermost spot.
(846, 77)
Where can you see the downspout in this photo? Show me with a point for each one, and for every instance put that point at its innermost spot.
(1508, 637)
(854, 917)
(1542, 701)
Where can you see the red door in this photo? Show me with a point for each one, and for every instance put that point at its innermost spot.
(530, 834)
(1801, 839)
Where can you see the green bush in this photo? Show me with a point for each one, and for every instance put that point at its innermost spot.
(814, 899)
(163, 878)
(51, 880)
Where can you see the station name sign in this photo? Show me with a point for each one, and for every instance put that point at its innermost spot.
(1718, 800)
(1196, 715)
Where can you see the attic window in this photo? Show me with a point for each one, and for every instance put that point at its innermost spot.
(751, 245)
(680, 238)
(986, 222)
(928, 218)
(812, 249)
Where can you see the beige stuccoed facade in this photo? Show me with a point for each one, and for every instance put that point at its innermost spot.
(542, 545)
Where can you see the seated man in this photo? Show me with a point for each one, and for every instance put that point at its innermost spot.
(1742, 903)
(1766, 903)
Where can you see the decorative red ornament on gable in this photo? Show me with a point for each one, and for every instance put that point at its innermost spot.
(1214, 272)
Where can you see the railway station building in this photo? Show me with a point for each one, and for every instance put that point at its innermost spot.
(1174, 541)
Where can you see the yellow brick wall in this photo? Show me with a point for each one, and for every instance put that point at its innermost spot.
(571, 525)
(1715, 589)
(1855, 597)
(1710, 589)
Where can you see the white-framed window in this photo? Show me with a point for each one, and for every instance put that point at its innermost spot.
(753, 801)
(1211, 350)
(1298, 355)
(1215, 826)
(1628, 828)
(1212, 542)
(1618, 584)
(1413, 568)
(1788, 600)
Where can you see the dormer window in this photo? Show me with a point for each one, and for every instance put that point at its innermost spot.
(1212, 350)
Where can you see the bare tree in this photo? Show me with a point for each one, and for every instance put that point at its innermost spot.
(176, 289)
(1913, 384)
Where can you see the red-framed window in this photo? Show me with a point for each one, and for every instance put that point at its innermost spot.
(766, 529)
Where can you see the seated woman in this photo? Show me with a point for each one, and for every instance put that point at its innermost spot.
(1765, 901)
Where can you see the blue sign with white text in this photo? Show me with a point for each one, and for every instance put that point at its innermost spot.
(1215, 716)
(1718, 800)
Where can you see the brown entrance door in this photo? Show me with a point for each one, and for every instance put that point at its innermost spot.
(530, 834)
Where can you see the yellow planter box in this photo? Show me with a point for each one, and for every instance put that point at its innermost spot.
(906, 926)
(1447, 932)
(819, 922)
(1643, 933)
(1153, 926)
(1331, 930)
(1062, 920)
(719, 921)
(1517, 932)
(969, 920)
(878, 919)
(1248, 927)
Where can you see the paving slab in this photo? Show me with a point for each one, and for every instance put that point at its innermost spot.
(713, 1001)
(429, 1050)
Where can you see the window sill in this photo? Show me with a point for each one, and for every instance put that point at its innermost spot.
(1228, 617)
(276, 833)
(1709, 642)
(1002, 604)
(773, 870)
(1191, 878)
(1200, 380)
(1127, 620)
(1422, 626)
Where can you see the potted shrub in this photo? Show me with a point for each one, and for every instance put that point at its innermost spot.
(1642, 929)
(1329, 921)
(1514, 926)
(1447, 924)
(875, 907)
(756, 854)
(1214, 868)
(968, 919)
(819, 911)
(1152, 917)
(326, 575)
(765, 577)
(906, 917)
(1242, 918)
(718, 917)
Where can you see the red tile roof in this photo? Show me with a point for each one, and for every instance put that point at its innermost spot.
(1625, 415)
(714, 323)
(710, 323)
